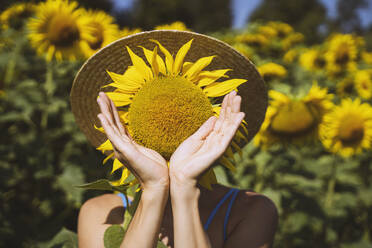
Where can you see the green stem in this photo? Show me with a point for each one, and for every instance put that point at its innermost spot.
(10, 69)
(49, 88)
(131, 210)
(259, 175)
(331, 185)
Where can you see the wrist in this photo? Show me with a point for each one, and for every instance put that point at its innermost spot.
(155, 192)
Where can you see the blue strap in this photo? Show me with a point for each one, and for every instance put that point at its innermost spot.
(122, 196)
(228, 213)
(214, 211)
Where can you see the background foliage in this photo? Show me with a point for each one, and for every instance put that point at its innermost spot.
(324, 200)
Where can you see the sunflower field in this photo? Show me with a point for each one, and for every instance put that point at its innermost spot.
(312, 155)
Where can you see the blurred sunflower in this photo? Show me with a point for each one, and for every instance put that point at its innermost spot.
(253, 40)
(291, 120)
(102, 29)
(346, 87)
(267, 31)
(173, 26)
(290, 56)
(367, 57)
(363, 83)
(347, 130)
(14, 16)
(271, 71)
(142, 88)
(342, 54)
(282, 29)
(126, 31)
(313, 60)
(60, 30)
(291, 40)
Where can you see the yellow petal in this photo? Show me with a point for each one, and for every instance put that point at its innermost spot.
(123, 116)
(140, 65)
(120, 99)
(186, 66)
(217, 110)
(237, 148)
(198, 66)
(229, 153)
(225, 162)
(168, 57)
(180, 57)
(107, 158)
(127, 80)
(150, 55)
(222, 88)
(207, 179)
(105, 146)
(116, 165)
(207, 77)
(99, 129)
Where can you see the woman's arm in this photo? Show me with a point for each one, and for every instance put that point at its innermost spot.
(188, 229)
(143, 231)
(193, 157)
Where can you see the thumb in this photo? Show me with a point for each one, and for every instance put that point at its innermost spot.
(205, 129)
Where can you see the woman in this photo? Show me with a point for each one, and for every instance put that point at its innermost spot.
(172, 204)
(173, 91)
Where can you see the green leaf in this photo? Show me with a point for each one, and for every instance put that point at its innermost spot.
(113, 236)
(161, 245)
(64, 239)
(131, 210)
(103, 184)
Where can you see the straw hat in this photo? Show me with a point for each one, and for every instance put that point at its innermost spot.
(114, 57)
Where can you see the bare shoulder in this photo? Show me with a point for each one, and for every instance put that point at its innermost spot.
(255, 204)
(254, 220)
(101, 207)
(95, 216)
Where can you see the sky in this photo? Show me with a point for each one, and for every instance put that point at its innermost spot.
(243, 8)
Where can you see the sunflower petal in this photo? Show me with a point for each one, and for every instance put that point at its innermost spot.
(140, 65)
(237, 148)
(207, 179)
(180, 57)
(222, 88)
(168, 57)
(207, 77)
(225, 162)
(198, 66)
(159, 61)
(130, 79)
(116, 165)
(105, 146)
(107, 158)
(99, 129)
(120, 99)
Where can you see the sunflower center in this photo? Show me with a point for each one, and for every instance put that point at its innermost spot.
(342, 57)
(166, 111)
(62, 32)
(98, 37)
(293, 119)
(319, 62)
(351, 131)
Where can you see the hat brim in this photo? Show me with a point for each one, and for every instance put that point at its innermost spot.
(115, 58)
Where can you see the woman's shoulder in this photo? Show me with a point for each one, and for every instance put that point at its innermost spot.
(106, 208)
(256, 202)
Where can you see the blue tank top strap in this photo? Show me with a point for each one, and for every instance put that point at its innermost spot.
(219, 204)
(236, 191)
(123, 199)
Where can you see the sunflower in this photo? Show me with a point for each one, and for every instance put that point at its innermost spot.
(60, 30)
(271, 71)
(254, 40)
(126, 31)
(184, 89)
(290, 56)
(367, 57)
(291, 40)
(346, 87)
(292, 120)
(363, 83)
(342, 54)
(282, 29)
(14, 16)
(347, 130)
(102, 28)
(173, 26)
(243, 49)
(313, 60)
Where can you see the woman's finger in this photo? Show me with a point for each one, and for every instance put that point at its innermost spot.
(117, 118)
(218, 124)
(225, 101)
(236, 104)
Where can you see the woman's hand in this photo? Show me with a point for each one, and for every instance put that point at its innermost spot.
(197, 153)
(148, 166)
